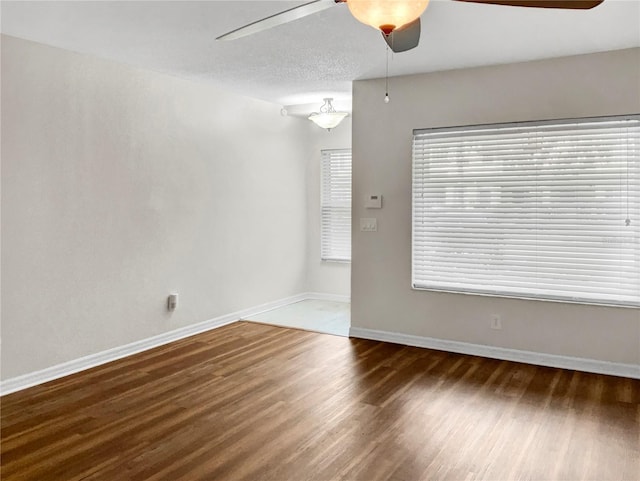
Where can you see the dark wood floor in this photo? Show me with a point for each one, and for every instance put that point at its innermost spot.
(256, 402)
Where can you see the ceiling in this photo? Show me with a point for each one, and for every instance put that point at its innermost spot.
(317, 56)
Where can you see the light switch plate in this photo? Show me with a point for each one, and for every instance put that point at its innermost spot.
(368, 224)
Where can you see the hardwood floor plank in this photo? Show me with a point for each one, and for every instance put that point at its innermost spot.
(253, 402)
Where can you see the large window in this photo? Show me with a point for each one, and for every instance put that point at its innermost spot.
(547, 210)
(336, 205)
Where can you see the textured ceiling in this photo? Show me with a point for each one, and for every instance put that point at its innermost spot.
(317, 56)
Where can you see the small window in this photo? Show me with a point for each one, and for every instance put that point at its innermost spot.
(546, 210)
(336, 205)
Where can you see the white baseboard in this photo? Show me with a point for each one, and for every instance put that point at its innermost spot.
(327, 297)
(540, 359)
(60, 370)
(305, 296)
(551, 360)
(269, 306)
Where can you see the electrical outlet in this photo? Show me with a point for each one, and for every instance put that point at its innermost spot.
(496, 322)
(172, 302)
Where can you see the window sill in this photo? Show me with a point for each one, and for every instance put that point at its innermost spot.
(524, 297)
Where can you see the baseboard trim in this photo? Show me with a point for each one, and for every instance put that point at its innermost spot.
(305, 296)
(25, 381)
(505, 354)
(327, 297)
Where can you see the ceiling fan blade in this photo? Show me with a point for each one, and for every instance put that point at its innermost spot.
(404, 38)
(279, 18)
(566, 4)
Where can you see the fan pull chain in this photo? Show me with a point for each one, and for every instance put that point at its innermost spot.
(386, 78)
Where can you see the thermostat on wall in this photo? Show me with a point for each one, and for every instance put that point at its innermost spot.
(373, 201)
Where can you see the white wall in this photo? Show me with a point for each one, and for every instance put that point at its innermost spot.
(120, 186)
(324, 277)
(382, 299)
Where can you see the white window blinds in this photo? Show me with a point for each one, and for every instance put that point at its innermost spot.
(545, 210)
(336, 205)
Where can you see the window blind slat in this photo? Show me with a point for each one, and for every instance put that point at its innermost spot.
(537, 210)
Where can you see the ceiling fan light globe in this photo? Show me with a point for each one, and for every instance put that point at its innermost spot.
(386, 15)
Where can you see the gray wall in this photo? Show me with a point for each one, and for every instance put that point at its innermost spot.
(120, 186)
(589, 85)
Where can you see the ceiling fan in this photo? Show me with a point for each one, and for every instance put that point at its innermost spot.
(398, 20)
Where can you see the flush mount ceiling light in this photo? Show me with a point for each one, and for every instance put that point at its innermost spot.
(387, 15)
(327, 118)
